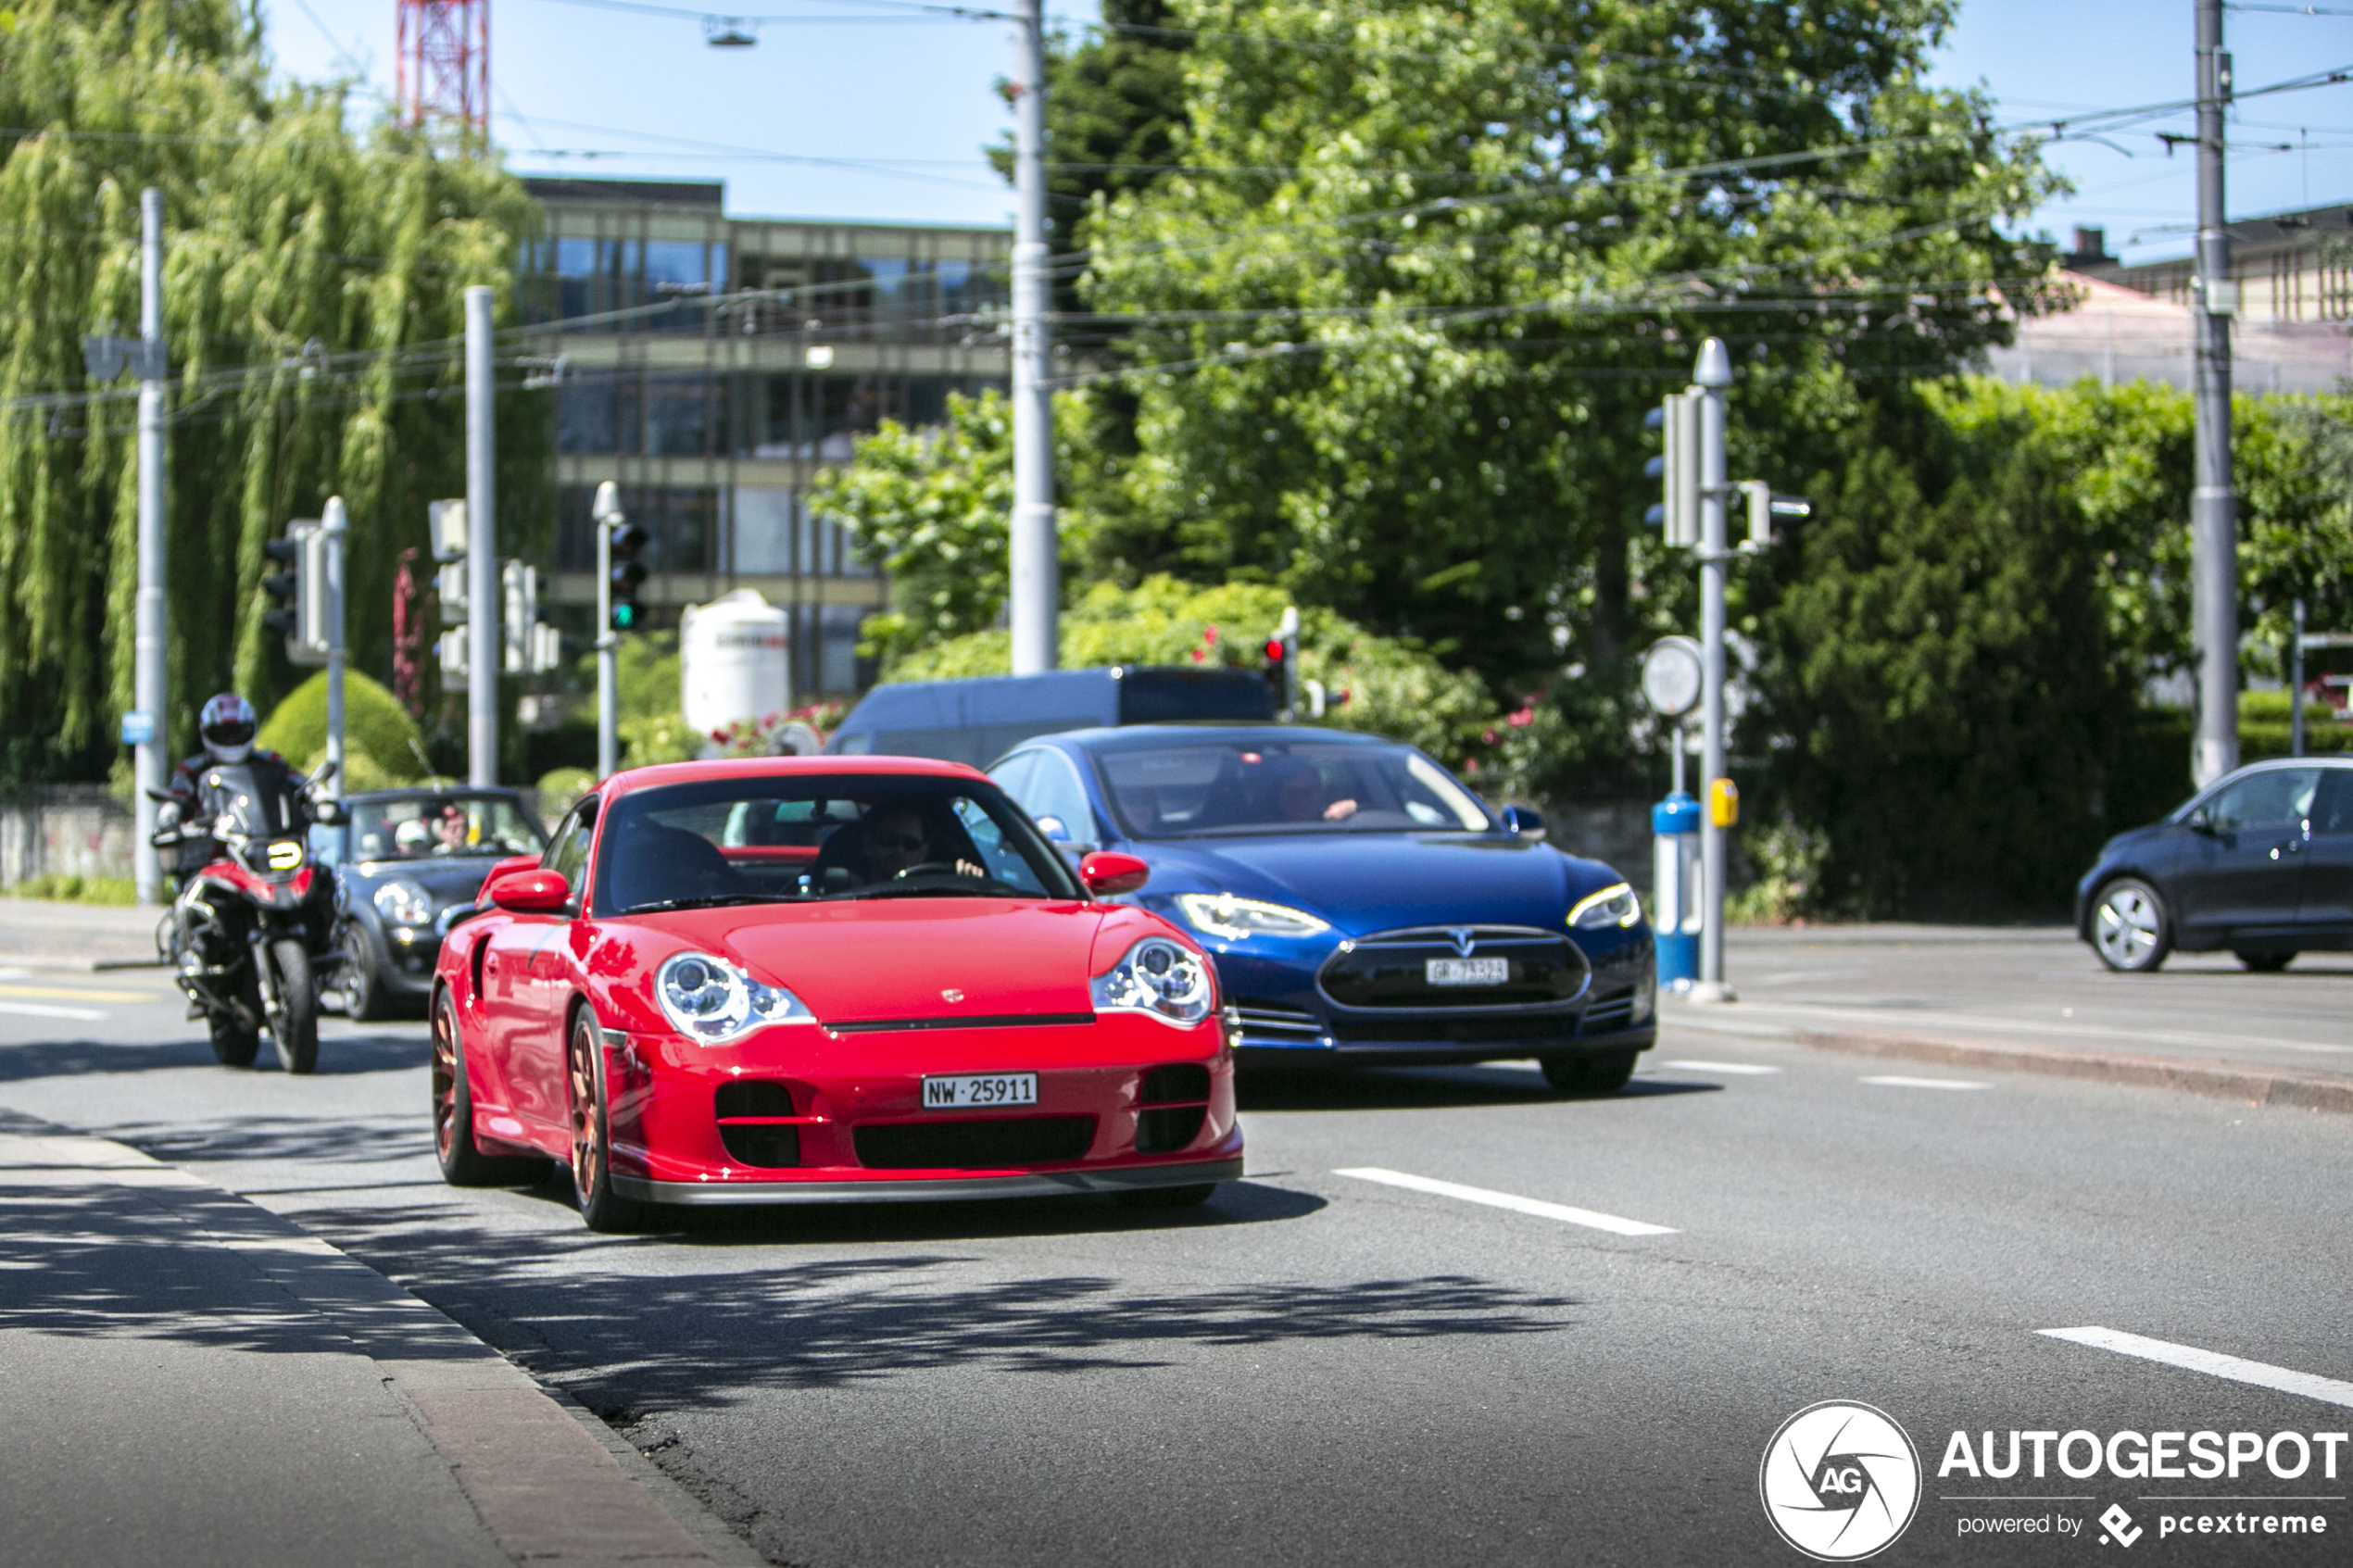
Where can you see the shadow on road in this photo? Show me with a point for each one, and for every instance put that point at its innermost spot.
(338, 1055)
(1423, 1088)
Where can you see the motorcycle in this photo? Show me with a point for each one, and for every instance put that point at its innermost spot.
(250, 936)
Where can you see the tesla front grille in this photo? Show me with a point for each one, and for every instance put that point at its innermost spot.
(1450, 968)
(1265, 1024)
(1611, 1011)
(1458, 1030)
(974, 1144)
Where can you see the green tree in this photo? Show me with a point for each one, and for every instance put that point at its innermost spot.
(381, 744)
(312, 283)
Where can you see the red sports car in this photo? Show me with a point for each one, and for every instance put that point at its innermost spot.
(819, 978)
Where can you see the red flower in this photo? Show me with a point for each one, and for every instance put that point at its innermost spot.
(1522, 718)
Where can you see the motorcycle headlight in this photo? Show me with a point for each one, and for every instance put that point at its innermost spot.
(404, 903)
(1160, 979)
(1613, 905)
(708, 999)
(1222, 914)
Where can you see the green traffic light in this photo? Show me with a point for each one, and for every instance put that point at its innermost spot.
(624, 617)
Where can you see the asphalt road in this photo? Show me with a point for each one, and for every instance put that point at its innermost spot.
(1331, 1368)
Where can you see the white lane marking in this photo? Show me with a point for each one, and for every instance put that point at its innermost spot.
(34, 1010)
(1735, 1066)
(2328, 1390)
(1513, 1201)
(1894, 1081)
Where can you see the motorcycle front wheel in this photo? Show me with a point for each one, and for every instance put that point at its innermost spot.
(233, 1044)
(294, 1020)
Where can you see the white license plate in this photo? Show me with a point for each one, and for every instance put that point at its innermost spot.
(1469, 972)
(981, 1089)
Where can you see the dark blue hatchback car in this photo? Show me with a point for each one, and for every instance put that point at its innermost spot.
(1361, 903)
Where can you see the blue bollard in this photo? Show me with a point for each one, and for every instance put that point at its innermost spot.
(1675, 911)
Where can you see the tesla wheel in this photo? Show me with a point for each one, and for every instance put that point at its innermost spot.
(2266, 963)
(2129, 927)
(462, 1162)
(1168, 1198)
(603, 1208)
(233, 1044)
(294, 1023)
(362, 992)
(1588, 1073)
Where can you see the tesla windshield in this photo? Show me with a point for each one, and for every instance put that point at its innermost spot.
(764, 839)
(1252, 787)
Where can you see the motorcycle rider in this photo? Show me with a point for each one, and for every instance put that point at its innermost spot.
(226, 726)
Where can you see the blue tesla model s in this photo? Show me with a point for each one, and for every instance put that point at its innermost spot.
(1361, 905)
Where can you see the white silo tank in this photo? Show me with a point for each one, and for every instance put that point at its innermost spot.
(734, 661)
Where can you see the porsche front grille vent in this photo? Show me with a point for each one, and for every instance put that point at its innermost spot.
(974, 1144)
(1174, 1101)
(747, 1112)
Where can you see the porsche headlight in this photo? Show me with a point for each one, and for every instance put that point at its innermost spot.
(1613, 905)
(710, 1000)
(404, 903)
(1222, 914)
(1159, 978)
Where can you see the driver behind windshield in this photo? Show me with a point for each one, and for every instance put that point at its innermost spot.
(897, 840)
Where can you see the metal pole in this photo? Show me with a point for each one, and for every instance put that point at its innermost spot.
(2214, 575)
(485, 655)
(1713, 375)
(334, 524)
(2295, 682)
(1036, 552)
(607, 516)
(150, 677)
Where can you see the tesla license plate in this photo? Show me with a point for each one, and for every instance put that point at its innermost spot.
(1469, 972)
(980, 1090)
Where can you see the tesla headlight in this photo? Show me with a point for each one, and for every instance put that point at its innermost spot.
(1613, 905)
(404, 903)
(1222, 914)
(710, 1000)
(1159, 978)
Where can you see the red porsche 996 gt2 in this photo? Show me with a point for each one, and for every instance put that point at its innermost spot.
(791, 979)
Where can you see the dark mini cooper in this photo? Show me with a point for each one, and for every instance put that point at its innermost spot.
(405, 858)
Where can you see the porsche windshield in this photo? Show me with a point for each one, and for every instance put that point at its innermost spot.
(1276, 786)
(768, 840)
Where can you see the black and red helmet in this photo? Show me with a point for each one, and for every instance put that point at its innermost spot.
(228, 726)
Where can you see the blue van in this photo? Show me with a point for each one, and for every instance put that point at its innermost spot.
(979, 719)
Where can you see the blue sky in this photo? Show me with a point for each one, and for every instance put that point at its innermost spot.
(911, 102)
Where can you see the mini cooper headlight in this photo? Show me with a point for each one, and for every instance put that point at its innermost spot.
(1613, 905)
(710, 1000)
(1222, 914)
(404, 903)
(1158, 978)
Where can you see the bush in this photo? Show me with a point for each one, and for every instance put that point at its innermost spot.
(381, 743)
(78, 889)
(559, 787)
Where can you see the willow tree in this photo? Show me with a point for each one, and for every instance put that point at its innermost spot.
(313, 307)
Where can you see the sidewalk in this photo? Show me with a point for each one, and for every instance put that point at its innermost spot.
(45, 933)
(192, 1380)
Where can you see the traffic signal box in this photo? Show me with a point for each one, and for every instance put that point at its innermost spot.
(628, 577)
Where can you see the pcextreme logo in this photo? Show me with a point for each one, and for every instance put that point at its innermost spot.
(1840, 1481)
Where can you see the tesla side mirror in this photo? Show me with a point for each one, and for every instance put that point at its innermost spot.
(1107, 873)
(528, 891)
(1525, 821)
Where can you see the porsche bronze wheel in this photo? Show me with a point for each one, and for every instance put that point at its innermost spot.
(462, 1165)
(592, 1134)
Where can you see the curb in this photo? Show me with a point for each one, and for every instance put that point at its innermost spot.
(2222, 1080)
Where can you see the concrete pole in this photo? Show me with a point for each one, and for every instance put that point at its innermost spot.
(2295, 681)
(485, 654)
(1036, 550)
(2214, 570)
(1713, 375)
(334, 525)
(606, 514)
(150, 677)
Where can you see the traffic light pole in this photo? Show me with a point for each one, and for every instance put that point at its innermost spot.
(334, 525)
(150, 672)
(483, 651)
(1713, 375)
(607, 516)
(1036, 551)
(2214, 569)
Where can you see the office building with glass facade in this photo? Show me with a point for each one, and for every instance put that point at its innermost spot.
(713, 414)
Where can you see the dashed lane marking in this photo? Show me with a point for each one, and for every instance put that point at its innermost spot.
(38, 1010)
(1741, 1068)
(2285, 1380)
(1518, 1205)
(1894, 1081)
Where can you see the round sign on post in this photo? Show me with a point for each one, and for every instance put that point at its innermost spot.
(1671, 676)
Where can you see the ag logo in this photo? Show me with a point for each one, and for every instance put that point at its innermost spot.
(1840, 1481)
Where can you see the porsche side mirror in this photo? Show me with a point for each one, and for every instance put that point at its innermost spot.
(1107, 873)
(527, 890)
(1525, 821)
(328, 812)
(513, 863)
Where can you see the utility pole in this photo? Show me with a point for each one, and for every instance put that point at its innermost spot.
(1712, 376)
(484, 652)
(332, 527)
(1036, 550)
(2296, 679)
(2214, 573)
(606, 514)
(150, 671)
